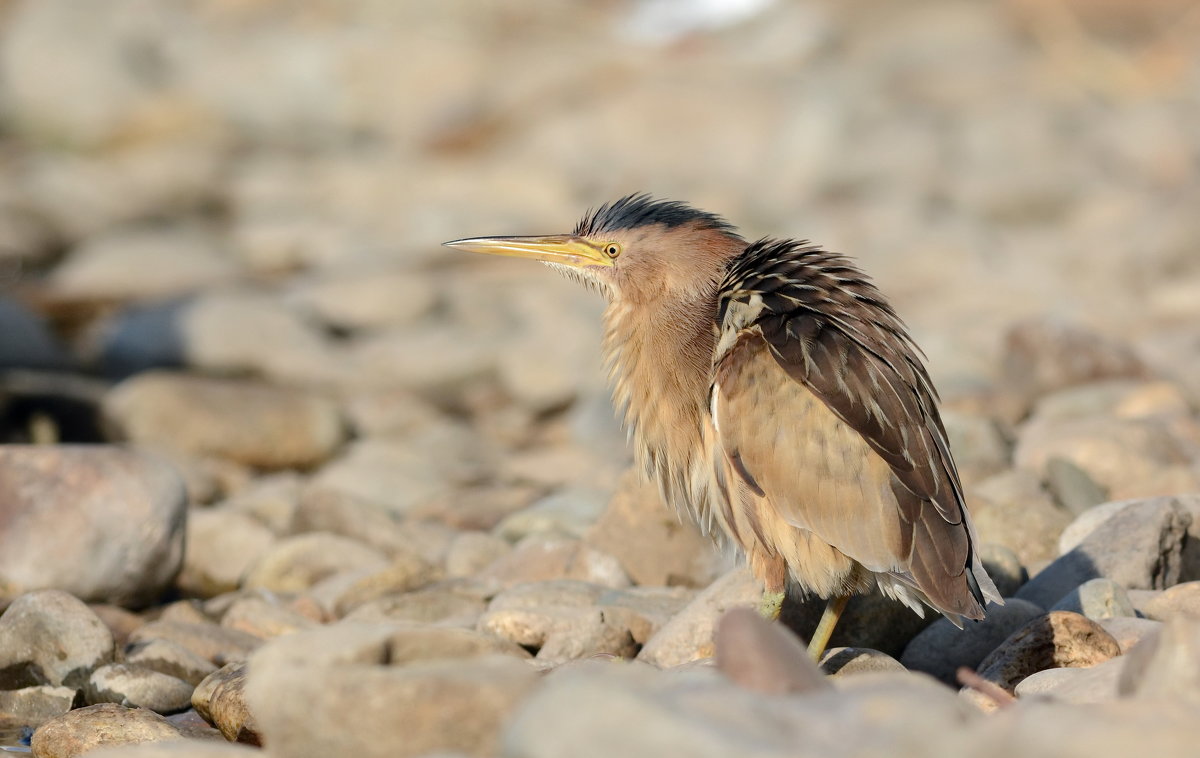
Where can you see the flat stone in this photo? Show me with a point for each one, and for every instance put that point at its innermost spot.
(31, 706)
(650, 541)
(221, 701)
(49, 637)
(942, 648)
(689, 635)
(132, 685)
(79, 731)
(1097, 599)
(764, 657)
(1097, 684)
(242, 420)
(211, 642)
(1139, 547)
(112, 519)
(168, 658)
(1059, 639)
(221, 546)
(297, 563)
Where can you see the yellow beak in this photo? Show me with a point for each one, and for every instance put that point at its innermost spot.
(554, 248)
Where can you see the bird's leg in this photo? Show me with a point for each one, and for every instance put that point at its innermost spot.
(824, 630)
(771, 604)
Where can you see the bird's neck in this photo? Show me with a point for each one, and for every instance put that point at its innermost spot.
(659, 353)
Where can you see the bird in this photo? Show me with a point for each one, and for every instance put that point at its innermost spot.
(777, 399)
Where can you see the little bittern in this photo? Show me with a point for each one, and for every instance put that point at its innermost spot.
(774, 394)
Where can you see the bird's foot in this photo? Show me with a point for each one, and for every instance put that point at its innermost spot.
(770, 605)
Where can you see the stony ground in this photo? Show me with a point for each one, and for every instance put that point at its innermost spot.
(356, 494)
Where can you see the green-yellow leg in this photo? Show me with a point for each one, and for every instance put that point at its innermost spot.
(824, 630)
(771, 604)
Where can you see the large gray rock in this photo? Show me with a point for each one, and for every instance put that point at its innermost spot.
(245, 421)
(102, 523)
(941, 648)
(50, 637)
(1139, 547)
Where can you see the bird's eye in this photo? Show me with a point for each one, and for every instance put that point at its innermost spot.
(612, 250)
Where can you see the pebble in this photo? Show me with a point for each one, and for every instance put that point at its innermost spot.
(566, 513)
(304, 696)
(31, 706)
(295, 564)
(1071, 486)
(1128, 631)
(540, 558)
(409, 644)
(209, 641)
(1097, 599)
(689, 634)
(838, 662)
(189, 748)
(84, 729)
(1013, 510)
(113, 520)
(1059, 639)
(50, 637)
(558, 619)
(221, 701)
(242, 420)
(132, 685)
(405, 574)
(264, 616)
(941, 648)
(1139, 547)
(1096, 684)
(644, 610)
(471, 552)
(169, 658)
(434, 605)
(1166, 666)
(328, 510)
(221, 546)
(1004, 567)
(1182, 600)
(651, 542)
(365, 298)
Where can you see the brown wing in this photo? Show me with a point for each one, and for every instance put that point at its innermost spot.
(857, 453)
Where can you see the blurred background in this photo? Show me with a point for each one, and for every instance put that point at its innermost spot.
(257, 189)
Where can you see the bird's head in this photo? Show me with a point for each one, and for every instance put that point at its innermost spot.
(634, 247)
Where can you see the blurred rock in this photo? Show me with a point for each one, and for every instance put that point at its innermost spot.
(560, 619)
(567, 513)
(435, 360)
(264, 616)
(1013, 510)
(1059, 639)
(188, 748)
(980, 450)
(435, 605)
(763, 657)
(296, 563)
(652, 543)
(221, 701)
(168, 658)
(689, 635)
(168, 262)
(245, 421)
(137, 338)
(118, 620)
(1097, 684)
(849, 661)
(32, 706)
(220, 547)
(1097, 599)
(271, 500)
(941, 648)
(112, 520)
(1182, 600)
(81, 730)
(1128, 631)
(471, 552)
(28, 342)
(205, 639)
(50, 637)
(366, 298)
(131, 685)
(404, 574)
(303, 692)
(1004, 567)
(540, 558)
(1139, 547)
(1166, 666)
(416, 643)
(243, 331)
(1044, 355)
(1071, 486)
(644, 610)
